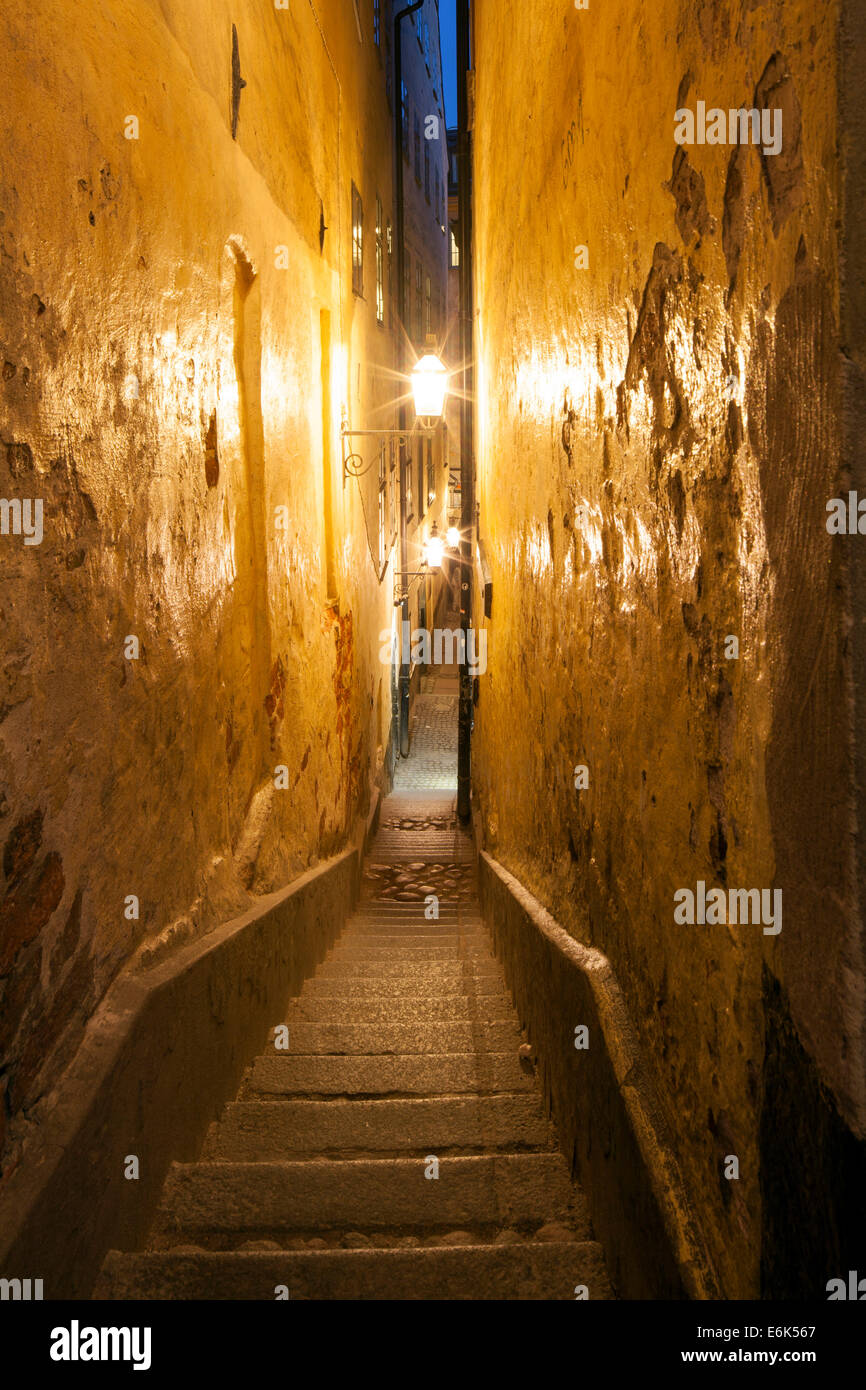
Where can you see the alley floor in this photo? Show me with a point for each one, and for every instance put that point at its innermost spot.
(390, 1143)
(432, 761)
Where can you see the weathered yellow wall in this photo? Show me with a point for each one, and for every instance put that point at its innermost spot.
(159, 258)
(635, 517)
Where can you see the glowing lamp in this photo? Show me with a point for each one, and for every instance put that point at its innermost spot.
(434, 550)
(429, 387)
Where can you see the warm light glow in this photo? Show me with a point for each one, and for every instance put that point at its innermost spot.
(453, 537)
(434, 552)
(429, 387)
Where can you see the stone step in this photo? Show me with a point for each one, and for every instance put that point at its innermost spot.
(262, 1131)
(418, 985)
(408, 897)
(422, 954)
(434, 847)
(454, 908)
(367, 1008)
(417, 934)
(416, 928)
(401, 1039)
(465, 908)
(410, 950)
(404, 1045)
(442, 845)
(417, 931)
(451, 913)
(525, 1271)
(222, 1204)
(464, 905)
(411, 975)
(385, 1075)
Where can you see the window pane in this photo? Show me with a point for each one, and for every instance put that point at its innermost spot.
(380, 264)
(357, 242)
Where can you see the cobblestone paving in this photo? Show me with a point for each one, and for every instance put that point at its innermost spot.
(432, 760)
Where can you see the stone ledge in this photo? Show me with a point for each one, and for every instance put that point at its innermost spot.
(165, 1050)
(625, 1160)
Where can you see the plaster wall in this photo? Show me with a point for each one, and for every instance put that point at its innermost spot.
(178, 339)
(658, 403)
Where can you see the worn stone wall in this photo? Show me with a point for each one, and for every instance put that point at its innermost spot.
(658, 438)
(166, 1050)
(178, 338)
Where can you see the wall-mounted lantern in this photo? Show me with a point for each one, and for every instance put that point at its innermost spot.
(429, 380)
(434, 549)
(429, 387)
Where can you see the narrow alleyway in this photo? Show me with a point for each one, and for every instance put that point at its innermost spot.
(393, 1145)
(482, 381)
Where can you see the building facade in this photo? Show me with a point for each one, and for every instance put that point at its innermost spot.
(425, 304)
(197, 297)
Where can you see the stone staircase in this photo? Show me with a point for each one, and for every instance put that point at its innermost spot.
(403, 1061)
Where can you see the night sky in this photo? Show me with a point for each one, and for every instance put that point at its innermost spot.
(448, 29)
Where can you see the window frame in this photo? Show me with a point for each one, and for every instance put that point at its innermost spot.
(389, 252)
(380, 264)
(357, 242)
(431, 475)
(406, 315)
(383, 506)
(422, 491)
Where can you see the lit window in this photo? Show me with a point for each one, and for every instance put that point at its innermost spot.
(357, 242)
(392, 463)
(455, 250)
(389, 251)
(380, 264)
(383, 506)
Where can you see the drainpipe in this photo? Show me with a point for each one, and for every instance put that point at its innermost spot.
(467, 452)
(405, 667)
